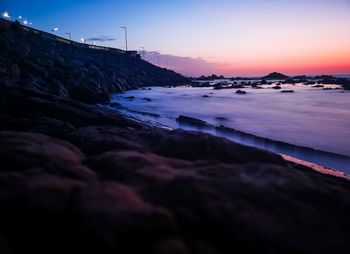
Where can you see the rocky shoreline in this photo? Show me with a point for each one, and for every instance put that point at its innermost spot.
(80, 178)
(85, 74)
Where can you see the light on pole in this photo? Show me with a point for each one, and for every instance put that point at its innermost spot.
(83, 40)
(158, 56)
(143, 53)
(6, 15)
(70, 36)
(55, 29)
(126, 37)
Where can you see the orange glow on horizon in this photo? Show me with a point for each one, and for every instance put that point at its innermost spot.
(337, 63)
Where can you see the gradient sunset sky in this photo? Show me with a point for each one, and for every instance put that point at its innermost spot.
(201, 37)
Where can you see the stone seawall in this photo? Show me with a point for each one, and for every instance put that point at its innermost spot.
(45, 62)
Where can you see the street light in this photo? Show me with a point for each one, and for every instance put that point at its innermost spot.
(126, 37)
(143, 52)
(55, 29)
(82, 40)
(70, 36)
(25, 22)
(6, 15)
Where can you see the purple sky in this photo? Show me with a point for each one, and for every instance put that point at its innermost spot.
(201, 37)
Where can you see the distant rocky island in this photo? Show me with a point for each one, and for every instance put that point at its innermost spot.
(276, 75)
(257, 82)
(76, 177)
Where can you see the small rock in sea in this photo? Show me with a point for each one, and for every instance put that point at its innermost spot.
(316, 86)
(221, 118)
(327, 88)
(241, 92)
(147, 99)
(130, 98)
(205, 96)
(287, 91)
(115, 105)
(277, 87)
(191, 121)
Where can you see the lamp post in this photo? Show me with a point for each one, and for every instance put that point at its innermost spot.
(126, 37)
(55, 30)
(143, 53)
(158, 56)
(83, 40)
(70, 36)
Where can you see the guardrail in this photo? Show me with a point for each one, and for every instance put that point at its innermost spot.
(7, 23)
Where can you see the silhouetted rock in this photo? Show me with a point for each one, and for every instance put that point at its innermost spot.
(221, 118)
(241, 92)
(275, 75)
(263, 82)
(191, 121)
(287, 91)
(40, 62)
(130, 98)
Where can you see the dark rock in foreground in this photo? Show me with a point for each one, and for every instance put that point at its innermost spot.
(87, 180)
(287, 91)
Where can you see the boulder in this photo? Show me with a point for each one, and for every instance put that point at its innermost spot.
(191, 121)
(241, 92)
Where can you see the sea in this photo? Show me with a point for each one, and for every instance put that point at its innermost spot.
(310, 124)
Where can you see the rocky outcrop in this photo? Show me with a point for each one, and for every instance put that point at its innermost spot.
(276, 76)
(84, 74)
(84, 179)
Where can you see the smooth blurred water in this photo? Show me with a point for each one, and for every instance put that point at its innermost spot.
(309, 117)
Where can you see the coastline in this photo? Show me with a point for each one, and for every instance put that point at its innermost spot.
(77, 177)
(225, 132)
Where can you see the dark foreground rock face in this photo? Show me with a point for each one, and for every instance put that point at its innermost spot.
(39, 62)
(81, 179)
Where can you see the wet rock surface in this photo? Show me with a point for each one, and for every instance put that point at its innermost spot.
(85, 179)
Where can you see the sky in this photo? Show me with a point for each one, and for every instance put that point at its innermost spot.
(203, 37)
